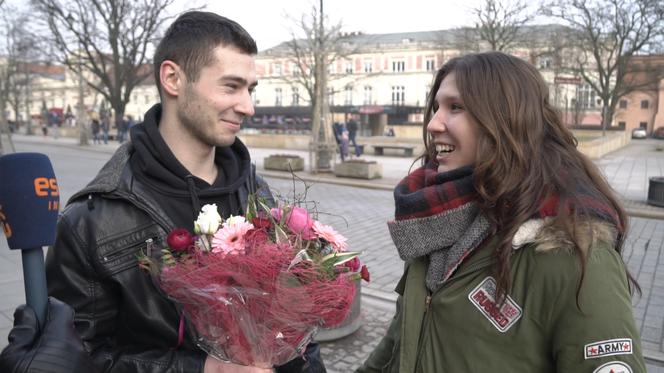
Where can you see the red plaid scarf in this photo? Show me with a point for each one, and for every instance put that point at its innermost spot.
(427, 192)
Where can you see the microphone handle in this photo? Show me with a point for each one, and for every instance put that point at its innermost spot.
(34, 280)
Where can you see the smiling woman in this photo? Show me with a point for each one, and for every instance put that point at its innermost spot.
(511, 237)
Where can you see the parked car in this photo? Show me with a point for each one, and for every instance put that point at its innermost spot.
(639, 133)
(658, 133)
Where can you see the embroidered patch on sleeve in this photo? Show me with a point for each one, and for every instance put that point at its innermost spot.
(614, 367)
(622, 346)
(483, 297)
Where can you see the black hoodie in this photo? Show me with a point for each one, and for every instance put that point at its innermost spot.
(176, 190)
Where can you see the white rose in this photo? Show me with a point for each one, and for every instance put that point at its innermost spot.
(234, 220)
(208, 220)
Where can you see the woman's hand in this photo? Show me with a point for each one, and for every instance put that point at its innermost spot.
(213, 365)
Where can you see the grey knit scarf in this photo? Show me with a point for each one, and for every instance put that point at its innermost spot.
(446, 238)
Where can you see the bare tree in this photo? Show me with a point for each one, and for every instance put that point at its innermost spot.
(105, 42)
(607, 34)
(16, 45)
(500, 22)
(318, 46)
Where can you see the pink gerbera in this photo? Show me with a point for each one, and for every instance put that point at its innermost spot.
(230, 238)
(330, 235)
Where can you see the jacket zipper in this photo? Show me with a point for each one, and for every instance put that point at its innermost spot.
(427, 317)
(423, 328)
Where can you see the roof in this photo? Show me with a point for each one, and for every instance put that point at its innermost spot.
(411, 40)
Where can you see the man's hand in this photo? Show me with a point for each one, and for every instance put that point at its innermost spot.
(57, 350)
(213, 365)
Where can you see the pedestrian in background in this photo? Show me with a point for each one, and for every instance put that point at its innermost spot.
(512, 238)
(343, 141)
(122, 129)
(352, 134)
(96, 129)
(105, 128)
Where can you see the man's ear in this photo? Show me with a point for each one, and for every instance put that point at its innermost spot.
(171, 78)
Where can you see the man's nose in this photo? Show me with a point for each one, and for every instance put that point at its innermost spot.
(246, 105)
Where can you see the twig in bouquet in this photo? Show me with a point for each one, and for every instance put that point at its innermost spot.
(336, 216)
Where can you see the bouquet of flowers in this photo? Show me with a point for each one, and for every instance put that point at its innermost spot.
(256, 287)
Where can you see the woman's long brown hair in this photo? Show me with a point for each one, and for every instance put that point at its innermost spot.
(525, 153)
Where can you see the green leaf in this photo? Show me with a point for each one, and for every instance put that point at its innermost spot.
(336, 259)
(280, 235)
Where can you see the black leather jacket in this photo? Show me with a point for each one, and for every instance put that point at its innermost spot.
(124, 321)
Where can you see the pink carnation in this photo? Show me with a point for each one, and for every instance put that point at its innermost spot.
(330, 235)
(230, 239)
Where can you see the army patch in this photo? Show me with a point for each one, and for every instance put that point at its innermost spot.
(622, 346)
(483, 297)
(614, 367)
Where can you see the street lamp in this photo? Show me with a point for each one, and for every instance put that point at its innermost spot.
(81, 121)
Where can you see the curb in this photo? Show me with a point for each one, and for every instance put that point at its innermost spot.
(645, 213)
(654, 357)
(316, 179)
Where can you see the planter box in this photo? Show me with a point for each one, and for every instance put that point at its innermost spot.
(359, 170)
(283, 162)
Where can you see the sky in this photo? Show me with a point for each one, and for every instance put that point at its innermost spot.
(266, 20)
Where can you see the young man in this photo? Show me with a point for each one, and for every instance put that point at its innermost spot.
(185, 154)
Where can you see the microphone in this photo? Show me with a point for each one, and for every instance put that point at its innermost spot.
(29, 205)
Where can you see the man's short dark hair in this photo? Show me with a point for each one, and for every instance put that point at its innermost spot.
(191, 39)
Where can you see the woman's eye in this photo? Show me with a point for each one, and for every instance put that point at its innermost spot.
(456, 107)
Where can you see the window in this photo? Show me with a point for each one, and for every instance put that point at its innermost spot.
(331, 68)
(330, 96)
(368, 66)
(398, 95)
(349, 67)
(277, 68)
(643, 124)
(545, 62)
(585, 95)
(623, 104)
(296, 96)
(368, 90)
(622, 125)
(430, 64)
(147, 99)
(644, 104)
(295, 69)
(348, 95)
(398, 66)
(277, 97)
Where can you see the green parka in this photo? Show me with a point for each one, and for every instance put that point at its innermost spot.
(460, 328)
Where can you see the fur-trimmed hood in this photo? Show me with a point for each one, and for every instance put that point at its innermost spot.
(546, 236)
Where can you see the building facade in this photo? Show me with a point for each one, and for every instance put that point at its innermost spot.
(380, 79)
(385, 78)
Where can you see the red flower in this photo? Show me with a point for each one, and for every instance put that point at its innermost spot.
(364, 273)
(256, 237)
(179, 239)
(261, 222)
(353, 264)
